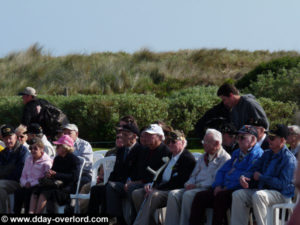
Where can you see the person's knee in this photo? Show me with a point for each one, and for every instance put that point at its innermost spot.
(259, 197)
(238, 195)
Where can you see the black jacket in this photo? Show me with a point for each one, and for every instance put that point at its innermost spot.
(153, 159)
(128, 168)
(180, 172)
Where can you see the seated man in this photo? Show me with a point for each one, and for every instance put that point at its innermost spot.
(261, 127)
(12, 160)
(227, 179)
(180, 200)
(229, 141)
(175, 174)
(35, 130)
(83, 149)
(271, 177)
(293, 139)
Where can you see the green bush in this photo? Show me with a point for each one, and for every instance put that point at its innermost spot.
(275, 66)
(97, 116)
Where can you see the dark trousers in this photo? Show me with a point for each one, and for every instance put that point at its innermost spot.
(206, 199)
(97, 199)
(22, 196)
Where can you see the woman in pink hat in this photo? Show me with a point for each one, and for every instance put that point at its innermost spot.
(64, 172)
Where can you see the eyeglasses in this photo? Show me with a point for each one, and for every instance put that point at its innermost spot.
(169, 141)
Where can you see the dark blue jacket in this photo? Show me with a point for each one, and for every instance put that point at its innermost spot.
(229, 174)
(277, 171)
(12, 162)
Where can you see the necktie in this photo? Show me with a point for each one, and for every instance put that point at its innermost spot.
(125, 154)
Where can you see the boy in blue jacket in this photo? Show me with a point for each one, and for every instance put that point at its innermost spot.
(227, 179)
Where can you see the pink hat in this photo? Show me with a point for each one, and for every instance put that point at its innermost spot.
(65, 140)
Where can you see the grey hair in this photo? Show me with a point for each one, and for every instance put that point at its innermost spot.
(217, 136)
(295, 129)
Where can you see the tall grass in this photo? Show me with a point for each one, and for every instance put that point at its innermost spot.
(141, 72)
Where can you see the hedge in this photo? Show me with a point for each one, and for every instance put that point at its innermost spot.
(97, 116)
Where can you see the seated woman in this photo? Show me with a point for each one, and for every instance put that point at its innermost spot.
(65, 169)
(36, 165)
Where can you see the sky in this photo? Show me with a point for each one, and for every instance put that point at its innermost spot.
(64, 27)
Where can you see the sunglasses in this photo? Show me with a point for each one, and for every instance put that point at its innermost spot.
(21, 136)
(169, 141)
(272, 138)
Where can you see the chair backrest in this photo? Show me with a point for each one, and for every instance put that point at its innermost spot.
(82, 164)
(108, 166)
(97, 155)
(196, 155)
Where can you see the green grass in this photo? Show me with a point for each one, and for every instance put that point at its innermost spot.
(141, 72)
(191, 150)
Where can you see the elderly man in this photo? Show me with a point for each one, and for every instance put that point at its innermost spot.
(35, 130)
(293, 139)
(12, 160)
(229, 141)
(151, 157)
(124, 178)
(227, 179)
(243, 108)
(83, 149)
(180, 200)
(261, 127)
(271, 176)
(175, 174)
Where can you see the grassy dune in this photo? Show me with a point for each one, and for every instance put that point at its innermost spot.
(141, 72)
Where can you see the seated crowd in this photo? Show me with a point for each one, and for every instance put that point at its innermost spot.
(241, 169)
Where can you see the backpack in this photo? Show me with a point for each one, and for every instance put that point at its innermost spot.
(51, 118)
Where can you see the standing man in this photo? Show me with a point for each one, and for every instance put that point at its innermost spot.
(243, 108)
(180, 200)
(12, 160)
(42, 112)
(83, 149)
(268, 182)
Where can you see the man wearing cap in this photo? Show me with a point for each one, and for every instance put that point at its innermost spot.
(268, 182)
(261, 127)
(227, 179)
(153, 156)
(229, 132)
(83, 149)
(125, 176)
(35, 112)
(175, 174)
(35, 130)
(180, 200)
(12, 160)
(242, 108)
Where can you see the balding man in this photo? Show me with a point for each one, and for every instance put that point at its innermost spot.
(180, 200)
(227, 179)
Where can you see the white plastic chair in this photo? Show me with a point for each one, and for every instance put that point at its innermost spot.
(61, 209)
(98, 155)
(108, 166)
(196, 155)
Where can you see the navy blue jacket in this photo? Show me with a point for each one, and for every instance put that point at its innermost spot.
(277, 171)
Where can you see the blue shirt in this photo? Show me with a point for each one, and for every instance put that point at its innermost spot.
(229, 174)
(277, 171)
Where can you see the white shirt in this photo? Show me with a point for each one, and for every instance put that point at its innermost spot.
(49, 149)
(262, 140)
(168, 171)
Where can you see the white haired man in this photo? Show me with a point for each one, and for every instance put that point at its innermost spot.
(293, 139)
(180, 200)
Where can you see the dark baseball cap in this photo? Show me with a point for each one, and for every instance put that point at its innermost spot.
(258, 123)
(129, 127)
(7, 130)
(34, 128)
(248, 129)
(176, 135)
(279, 130)
(228, 128)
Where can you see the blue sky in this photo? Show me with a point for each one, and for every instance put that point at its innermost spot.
(86, 26)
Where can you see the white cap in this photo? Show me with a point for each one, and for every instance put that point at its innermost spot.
(28, 91)
(71, 126)
(155, 129)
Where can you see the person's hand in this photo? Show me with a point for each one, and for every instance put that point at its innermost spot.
(244, 182)
(127, 185)
(27, 185)
(190, 186)
(50, 173)
(256, 175)
(217, 190)
(148, 189)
